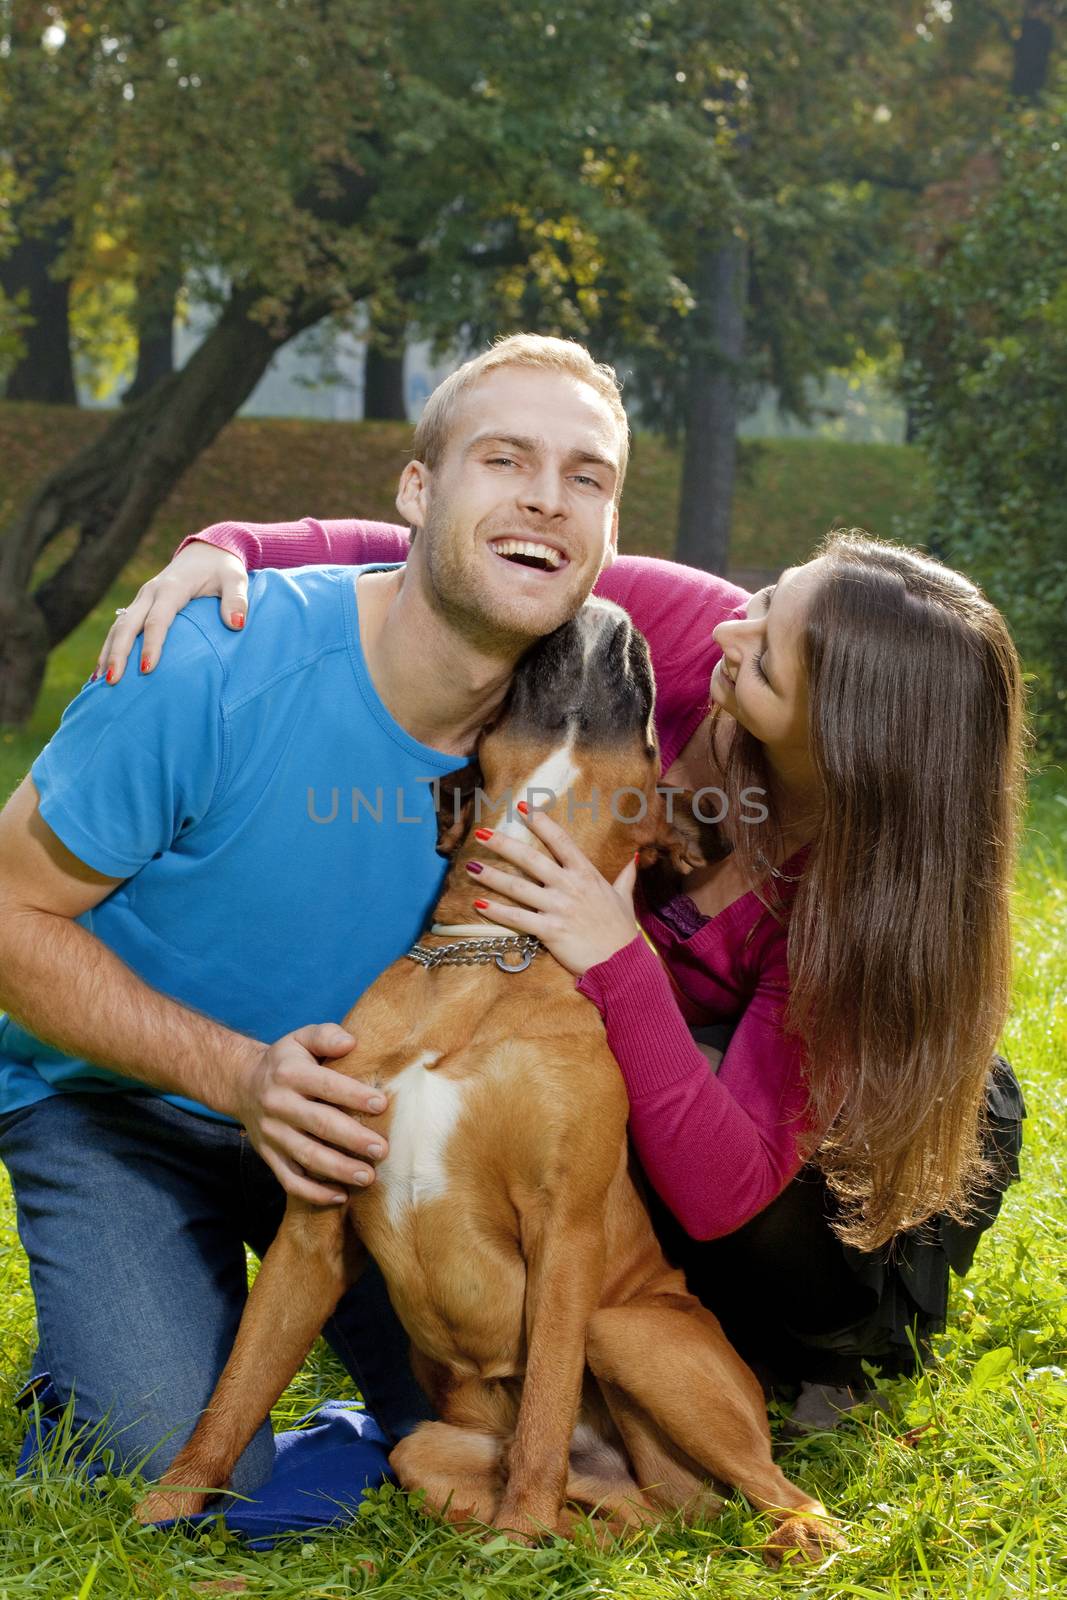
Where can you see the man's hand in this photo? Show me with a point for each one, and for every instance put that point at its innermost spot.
(200, 570)
(301, 1116)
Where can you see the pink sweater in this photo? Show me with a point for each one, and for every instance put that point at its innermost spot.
(717, 1146)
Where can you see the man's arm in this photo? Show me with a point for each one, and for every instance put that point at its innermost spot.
(71, 990)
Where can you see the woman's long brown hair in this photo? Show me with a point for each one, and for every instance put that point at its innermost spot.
(899, 940)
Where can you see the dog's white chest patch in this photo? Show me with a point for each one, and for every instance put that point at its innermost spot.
(426, 1108)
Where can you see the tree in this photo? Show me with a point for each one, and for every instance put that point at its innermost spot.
(43, 369)
(985, 338)
(829, 166)
(711, 400)
(286, 160)
(156, 298)
(1032, 48)
(581, 167)
(772, 197)
(384, 399)
(32, 275)
(261, 183)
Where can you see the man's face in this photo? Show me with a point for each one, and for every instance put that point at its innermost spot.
(519, 515)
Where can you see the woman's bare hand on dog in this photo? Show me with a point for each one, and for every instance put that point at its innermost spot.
(296, 1111)
(564, 901)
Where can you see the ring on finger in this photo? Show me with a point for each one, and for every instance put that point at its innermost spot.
(120, 611)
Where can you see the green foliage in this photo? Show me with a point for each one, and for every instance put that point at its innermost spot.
(987, 353)
(10, 319)
(798, 102)
(551, 167)
(202, 131)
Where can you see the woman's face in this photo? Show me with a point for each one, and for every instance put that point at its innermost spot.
(760, 679)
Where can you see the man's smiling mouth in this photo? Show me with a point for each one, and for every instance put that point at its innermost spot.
(529, 553)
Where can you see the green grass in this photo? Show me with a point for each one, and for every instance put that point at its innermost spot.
(956, 1490)
(789, 491)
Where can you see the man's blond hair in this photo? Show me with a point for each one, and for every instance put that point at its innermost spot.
(519, 350)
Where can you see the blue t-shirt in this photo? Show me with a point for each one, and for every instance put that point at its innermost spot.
(274, 826)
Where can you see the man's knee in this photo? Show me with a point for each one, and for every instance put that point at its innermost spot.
(143, 1435)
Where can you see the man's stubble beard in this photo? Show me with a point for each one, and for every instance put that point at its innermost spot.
(462, 595)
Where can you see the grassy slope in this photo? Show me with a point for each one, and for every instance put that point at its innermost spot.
(791, 492)
(972, 1504)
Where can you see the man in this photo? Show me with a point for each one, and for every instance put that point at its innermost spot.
(198, 863)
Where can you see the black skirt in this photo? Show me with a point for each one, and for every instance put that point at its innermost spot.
(800, 1306)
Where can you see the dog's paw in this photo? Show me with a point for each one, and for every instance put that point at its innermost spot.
(802, 1538)
(163, 1504)
(523, 1526)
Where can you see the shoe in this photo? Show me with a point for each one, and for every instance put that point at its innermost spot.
(820, 1406)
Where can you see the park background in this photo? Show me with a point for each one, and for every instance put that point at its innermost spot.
(826, 245)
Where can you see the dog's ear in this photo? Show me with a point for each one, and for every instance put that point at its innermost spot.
(455, 801)
(682, 839)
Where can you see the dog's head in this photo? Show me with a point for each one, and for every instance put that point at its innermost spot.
(576, 737)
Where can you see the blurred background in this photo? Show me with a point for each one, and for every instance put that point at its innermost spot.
(825, 244)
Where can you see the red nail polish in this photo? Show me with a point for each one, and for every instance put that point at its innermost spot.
(109, 675)
(237, 619)
(146, 662)
(475, 867)
(522, 806)
(95, 674)
(480, 905)
(483, 834)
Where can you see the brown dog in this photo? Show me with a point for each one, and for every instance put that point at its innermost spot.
(566, 1359)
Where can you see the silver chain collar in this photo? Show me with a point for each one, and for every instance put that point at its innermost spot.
(478, 952)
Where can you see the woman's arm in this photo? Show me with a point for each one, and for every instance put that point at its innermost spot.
(675, 606)
(343, 542)
(717, 1146)
(217, 561)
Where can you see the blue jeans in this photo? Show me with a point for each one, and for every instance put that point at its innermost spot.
(134, 1215)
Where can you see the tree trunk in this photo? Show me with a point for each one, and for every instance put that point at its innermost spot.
(711, 405)
(44, 372)
(111, 490)
(1032, 52)
(383, 375)
(155, 334)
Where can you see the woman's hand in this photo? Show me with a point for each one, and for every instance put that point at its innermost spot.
(197, 571)
(577, 914)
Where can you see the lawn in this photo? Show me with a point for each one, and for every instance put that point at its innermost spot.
(955, 1487)
(789, 492)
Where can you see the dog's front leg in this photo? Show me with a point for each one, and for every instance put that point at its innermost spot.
(563, 1282)
(314, 1258)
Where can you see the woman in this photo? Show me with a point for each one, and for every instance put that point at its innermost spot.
(850, 953)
